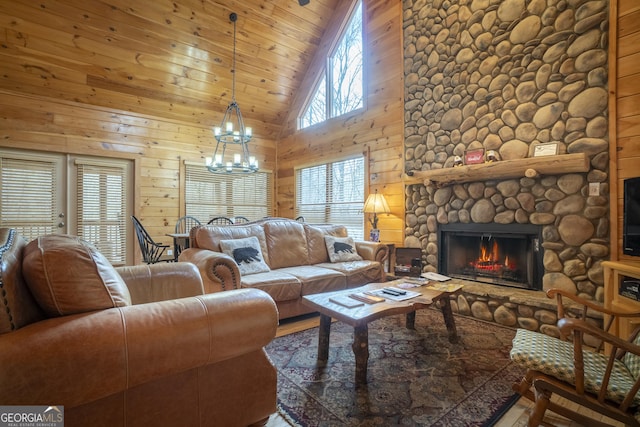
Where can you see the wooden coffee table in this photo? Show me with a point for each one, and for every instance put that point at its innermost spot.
(359, 318)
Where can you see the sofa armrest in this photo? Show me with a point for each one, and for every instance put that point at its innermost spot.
(160, 282)
(219, 271)
(73, 360)
(372, 251)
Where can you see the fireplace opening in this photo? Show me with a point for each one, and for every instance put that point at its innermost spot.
(500, 254)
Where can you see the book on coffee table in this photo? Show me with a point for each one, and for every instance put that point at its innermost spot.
(345, 301)
(369, 299)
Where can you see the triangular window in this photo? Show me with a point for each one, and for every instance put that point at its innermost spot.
(341, 89)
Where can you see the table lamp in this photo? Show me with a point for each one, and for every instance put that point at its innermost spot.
(375, 204)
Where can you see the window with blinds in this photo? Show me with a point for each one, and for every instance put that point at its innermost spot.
(209, 195)
(36, 199)
(28, 195)
(333, 193)
(102, 209)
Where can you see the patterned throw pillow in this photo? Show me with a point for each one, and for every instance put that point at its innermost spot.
(341, 249)
(247, 254)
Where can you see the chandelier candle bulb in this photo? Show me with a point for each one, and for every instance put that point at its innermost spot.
(229, 127)
(216, 131)
(236, 159)
(248, 131)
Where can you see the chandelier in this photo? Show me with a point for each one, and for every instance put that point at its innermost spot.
(233, 132)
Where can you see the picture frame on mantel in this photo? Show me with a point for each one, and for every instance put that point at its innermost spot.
(474, 157)
(547, 149)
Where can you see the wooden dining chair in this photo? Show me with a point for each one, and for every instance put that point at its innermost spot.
(240, 219)
(152, 252)
(186, 223)
(220, 220)
(576, 367)
(184, 226)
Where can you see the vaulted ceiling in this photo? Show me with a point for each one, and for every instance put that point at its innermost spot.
(171, 59)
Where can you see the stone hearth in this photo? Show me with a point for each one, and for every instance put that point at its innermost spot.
(527, 309)
(509, 75)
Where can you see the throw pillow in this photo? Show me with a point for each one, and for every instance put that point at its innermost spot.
(341, 249)
(68, 275)
(247, 254)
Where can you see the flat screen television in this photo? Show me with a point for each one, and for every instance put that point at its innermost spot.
(631, 217)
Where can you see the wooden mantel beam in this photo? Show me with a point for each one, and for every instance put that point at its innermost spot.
(505, 169)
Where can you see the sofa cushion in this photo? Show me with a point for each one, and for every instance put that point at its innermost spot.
(286, 243)
(279, 285)
(19, 308)
(358, 273)
(315, 240)
(246, 253)
(209, 236)
(317, 279)
(341, 249)
(67, 275)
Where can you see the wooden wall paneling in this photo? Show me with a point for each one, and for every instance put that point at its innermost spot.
(624, 82)
(628, 106)
(628, 147)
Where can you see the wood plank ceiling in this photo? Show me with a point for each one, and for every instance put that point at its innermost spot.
(171, 59)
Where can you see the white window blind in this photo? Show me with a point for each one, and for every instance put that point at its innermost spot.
(333, 193)
(27, 200)
(209, 195)
(101, 208)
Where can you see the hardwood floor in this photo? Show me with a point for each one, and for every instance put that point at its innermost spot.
(516, 416)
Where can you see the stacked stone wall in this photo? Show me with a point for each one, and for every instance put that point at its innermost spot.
(508, 75)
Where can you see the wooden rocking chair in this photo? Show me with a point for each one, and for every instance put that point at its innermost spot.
(566, 366)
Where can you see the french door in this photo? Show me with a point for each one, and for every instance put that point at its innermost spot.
(45, 193)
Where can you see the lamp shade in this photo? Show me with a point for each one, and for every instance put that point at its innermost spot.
(375, 204)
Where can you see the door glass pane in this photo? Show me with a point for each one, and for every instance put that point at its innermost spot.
(28, 196)
(102, 210)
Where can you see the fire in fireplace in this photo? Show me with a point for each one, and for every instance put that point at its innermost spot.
(500, 254)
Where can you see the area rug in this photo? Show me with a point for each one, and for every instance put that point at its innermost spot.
(415, 377)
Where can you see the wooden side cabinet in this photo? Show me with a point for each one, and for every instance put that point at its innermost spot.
(614, 274)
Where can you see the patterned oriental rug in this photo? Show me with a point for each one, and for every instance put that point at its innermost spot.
(415, 377)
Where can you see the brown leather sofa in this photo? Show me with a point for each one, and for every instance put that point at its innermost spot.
(296, 254)
(134, 346)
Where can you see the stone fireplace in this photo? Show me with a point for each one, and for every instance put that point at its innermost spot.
(498, 254)
(507, 76)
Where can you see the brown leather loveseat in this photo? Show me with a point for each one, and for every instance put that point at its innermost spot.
(285, 258)
(133, 346)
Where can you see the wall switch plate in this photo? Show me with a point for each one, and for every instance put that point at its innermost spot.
(169, 252)
(594, 188)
